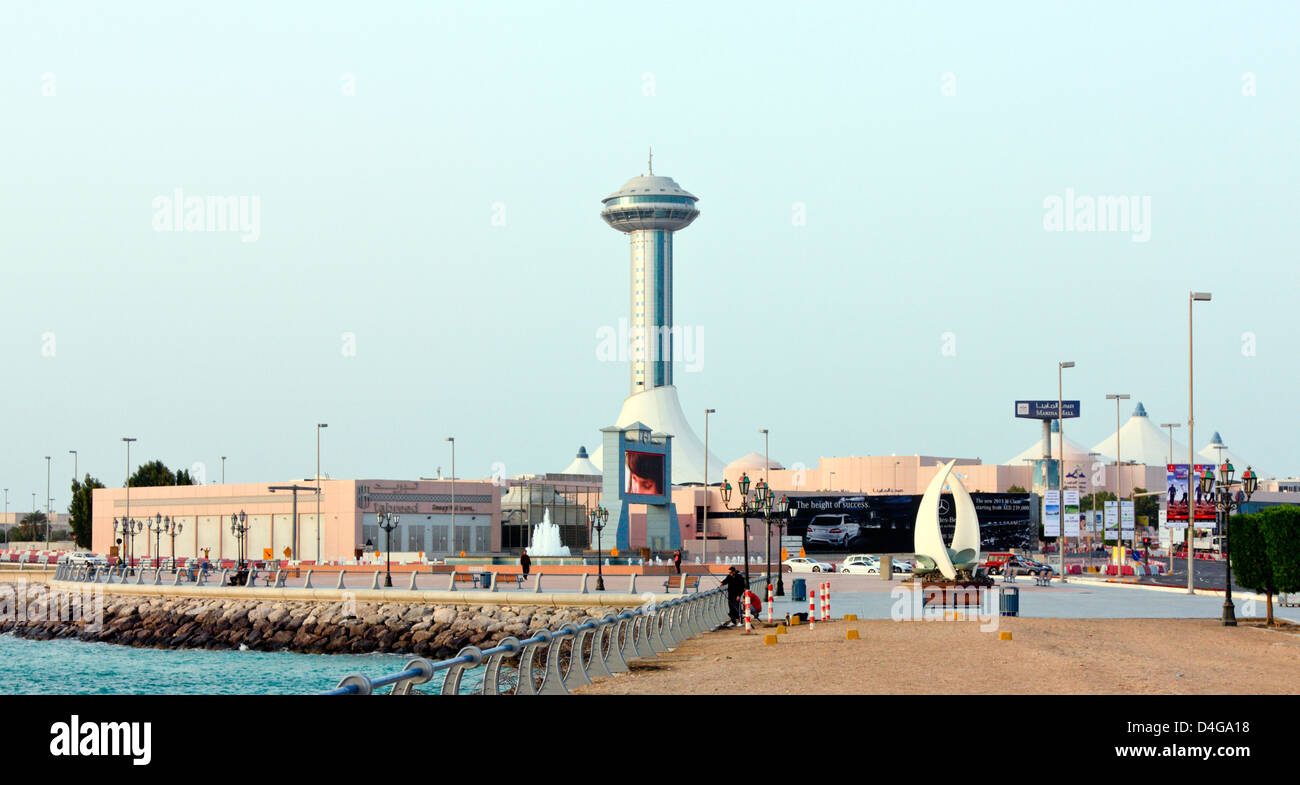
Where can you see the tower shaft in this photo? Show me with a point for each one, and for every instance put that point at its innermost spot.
(651, 309)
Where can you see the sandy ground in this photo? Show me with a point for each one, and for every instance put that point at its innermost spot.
(1045, 656)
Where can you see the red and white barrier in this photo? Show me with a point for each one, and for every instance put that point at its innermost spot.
(826, 601)
(812, 608)
(769, 603)
(749, 616)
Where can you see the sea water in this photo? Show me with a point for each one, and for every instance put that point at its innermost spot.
(73, 667)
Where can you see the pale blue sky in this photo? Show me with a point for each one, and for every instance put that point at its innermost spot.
(924, 216)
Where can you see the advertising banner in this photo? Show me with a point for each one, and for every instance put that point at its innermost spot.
(886, 523)
(1071, 512)
(1126, 520)
(1112, 520)
(1178, 493)
(1052, 514)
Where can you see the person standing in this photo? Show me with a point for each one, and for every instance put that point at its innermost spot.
(525, 562)
(677, 561)
(735, 584)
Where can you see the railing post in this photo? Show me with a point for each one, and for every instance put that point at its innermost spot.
(223, 582)
(414, 573)
(426, 673)
(597, 667)
(640, 637)
(451, 681)
(631, 584)
(176, 580)
(492, 675)
(537, 586)
(583, 590)
(552, 680)
(342, 575)
(362, 683)
(451, 584)
(627, 631)
(576, 674)
(492, 582)
(657, 620)
(157, 576)
(375, 583)
(527, 661)
(306, 584)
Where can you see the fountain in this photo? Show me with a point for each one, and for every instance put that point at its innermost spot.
(546, 539)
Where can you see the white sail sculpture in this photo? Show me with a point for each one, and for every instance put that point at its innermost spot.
(931, 553)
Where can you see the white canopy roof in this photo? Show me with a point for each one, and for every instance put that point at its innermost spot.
(582, 464)
(1211, 453)
(1143, 441)
(661, 410)
(1074, 452)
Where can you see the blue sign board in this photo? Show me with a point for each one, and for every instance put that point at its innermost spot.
(1046, 410)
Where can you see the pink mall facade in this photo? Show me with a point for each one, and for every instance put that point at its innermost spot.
(427, 522)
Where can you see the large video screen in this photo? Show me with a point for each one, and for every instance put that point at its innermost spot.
(645, 474)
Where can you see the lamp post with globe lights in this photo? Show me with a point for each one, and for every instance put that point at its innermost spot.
(599, 516)
(388, 521)
(1225, 501)
(744, 506)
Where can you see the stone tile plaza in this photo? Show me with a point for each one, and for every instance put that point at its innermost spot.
(690, 350)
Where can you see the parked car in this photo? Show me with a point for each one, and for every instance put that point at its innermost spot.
(804, 564)
(861, 564)
(83, 557)
(835, 530)
(999, 563)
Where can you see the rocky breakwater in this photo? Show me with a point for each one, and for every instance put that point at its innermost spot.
(436, 631)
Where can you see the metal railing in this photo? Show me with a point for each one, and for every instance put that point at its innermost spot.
(597, 648)
(301, 577)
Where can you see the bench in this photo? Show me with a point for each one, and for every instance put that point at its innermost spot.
(1043, 579)
(675, 582)
(466, 577)
(517, 577)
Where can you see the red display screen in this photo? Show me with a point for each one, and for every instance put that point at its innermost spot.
(645, 474)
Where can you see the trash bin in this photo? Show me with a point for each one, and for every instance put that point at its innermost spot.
(800, 591)
(484, 580)
(1009, 601)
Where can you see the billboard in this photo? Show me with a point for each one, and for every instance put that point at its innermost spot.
(1046, 410)
(1052, 514)
(1178, 494)
(1112, 520)
(1126, 520)
(886, 524)
(644, 473)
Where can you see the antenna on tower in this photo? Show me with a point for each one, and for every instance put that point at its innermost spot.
(651, 162)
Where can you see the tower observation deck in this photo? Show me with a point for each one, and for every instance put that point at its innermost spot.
(649, 208)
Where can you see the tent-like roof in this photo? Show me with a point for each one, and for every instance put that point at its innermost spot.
(1074, 452)
(1141, 440)
(750, 463)
(1211, 453)
(582, 464)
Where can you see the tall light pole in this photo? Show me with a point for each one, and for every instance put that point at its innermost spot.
(223, 470)
(1060, 469)
(128, 440)
(705, 558)
(1171, 426)
(74, 463)
(767, 461)
(1119, 478)
(452, 439)
(319, 525)
(1192, 297)
(47, 503)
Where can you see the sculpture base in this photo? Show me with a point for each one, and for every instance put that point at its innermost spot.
(954, 594)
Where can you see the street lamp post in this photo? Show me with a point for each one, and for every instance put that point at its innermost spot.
(128, 440)
(74, 463)
(599, 516)
(223, 470)
(173, 527)
(48, 511)
(745, 507)
(319, 525)
(705, 557)
(1192, 297)
(1060, 469)
(239, 528)
(388, 521)
(156, 526)
(1119, 478)
(1225, 501)
(452, 439)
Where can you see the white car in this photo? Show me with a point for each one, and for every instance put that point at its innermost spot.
(83, 557)
(804, 564)
(869, 564)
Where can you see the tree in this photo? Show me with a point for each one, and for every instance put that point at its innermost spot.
(1148, 506)
(1282, 544)
(155, 473)
(1248, 550)
(1016, 489)
(30, 528)
(79, 509)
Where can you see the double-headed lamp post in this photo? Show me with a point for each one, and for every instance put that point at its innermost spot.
(128, 528)
(239, 528)
(745, 507)
(771, 505)
(1225, 502)
(388, 521)
(172, 527)
(598, 517)
(158, 524)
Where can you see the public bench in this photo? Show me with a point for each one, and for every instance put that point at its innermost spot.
(675, 582)
(517, 577)
(466, 577)
(1043, 579)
